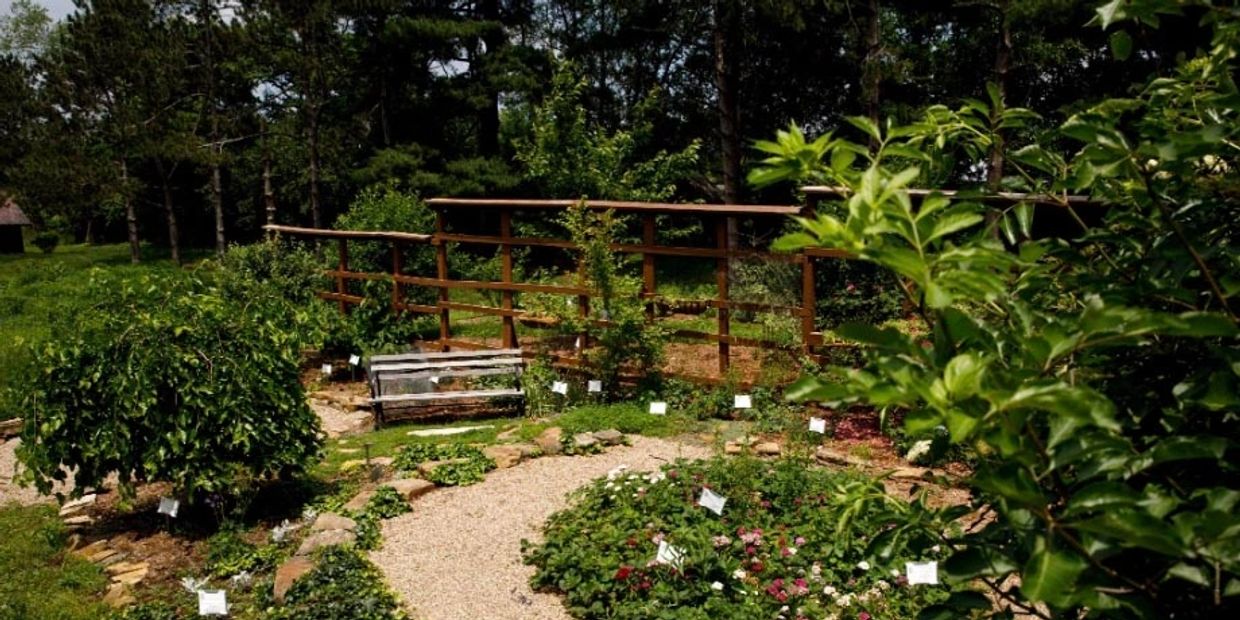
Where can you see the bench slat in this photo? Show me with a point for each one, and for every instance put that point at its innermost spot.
(419, 357)
(426, 374)
(405, 367)
(437, 396)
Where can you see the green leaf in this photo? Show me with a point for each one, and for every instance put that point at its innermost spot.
(866, 125)
(1121, 45)
(1101, 496)
(1134, 528)
(1050, 577)
(1193, 574)
(960, 425)
(963, 375)
(958, 605)
(976, 561)
(1024, 217)
(950, 223)
(792, 242)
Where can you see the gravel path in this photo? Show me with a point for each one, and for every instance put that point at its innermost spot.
(10, 491)
(458, 554)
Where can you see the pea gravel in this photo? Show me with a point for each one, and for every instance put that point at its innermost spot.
(458, 554)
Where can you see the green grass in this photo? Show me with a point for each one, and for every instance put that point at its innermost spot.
(40, 579)
(388, 440)
(36, 288)
(628, 417)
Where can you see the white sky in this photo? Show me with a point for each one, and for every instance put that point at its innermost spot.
(58, 9)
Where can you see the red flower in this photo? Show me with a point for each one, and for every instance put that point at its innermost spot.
(644, 585)
(756, 566)
(623, 573)
(863, 616)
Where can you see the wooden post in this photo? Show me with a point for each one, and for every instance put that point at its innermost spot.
(808, 302)
(397, 298)
(441, 270)
(509, 335)
(721, 281)
(342, 266)
(648, 283)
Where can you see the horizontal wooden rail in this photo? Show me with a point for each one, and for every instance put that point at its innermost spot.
(361, 235)
(620, 205)
(831, 191)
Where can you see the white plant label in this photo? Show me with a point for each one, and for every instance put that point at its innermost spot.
(818, 425)
(712, 501)
(922, 572)
(560, 387)
(742, 401)
(169, 506)
(658, 408)
(435, 380)
(354, 360)
(670, 555)
(212, 603)
(594, 387)
(327, 369)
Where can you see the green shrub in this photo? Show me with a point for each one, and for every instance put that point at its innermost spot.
(170, 381)
(387, 503)
(46, 241)
(344, 585)
(473, 468)
(790, 537)
(229, 554)
(148, 611)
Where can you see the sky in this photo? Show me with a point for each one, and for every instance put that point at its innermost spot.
(58, 9)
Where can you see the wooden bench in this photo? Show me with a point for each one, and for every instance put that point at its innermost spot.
(408, 380)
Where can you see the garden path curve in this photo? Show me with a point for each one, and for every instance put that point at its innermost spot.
(458, 554)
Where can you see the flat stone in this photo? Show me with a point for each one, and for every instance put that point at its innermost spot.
(358, 403)
(549, 440)
(99, 556)
(126, 567)
(528, 450)
(288, 573)
(768, 448)
(349, 450)
(132, 578)
(504, 456)
(382, 461)
(910, 473)
(94, 547)
(330, 538)
(584, 440)
(828, 455)
(610, 436)
(77, 505)
(119, 596)
(426, 468)
(732, 447)
(508, 434)
(79, 520)
(359, 501)
(332, 521)
(113, 559)
(411, 488)
(452, 430)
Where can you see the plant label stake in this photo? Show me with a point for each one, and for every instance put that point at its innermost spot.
(712, 501)
(818, 425)
(168, 506)
(742, 401)
(658, 408)
(212, 603)
(594, 387)
(922, 572)
(435, 380)
(327, 370)
(560, 387)
(669, 555)
(354, 360)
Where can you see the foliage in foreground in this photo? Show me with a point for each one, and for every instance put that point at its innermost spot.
(173, 380)
(465, 464)
(1094, 375)
(790, 538)
(41, 581)
(343, 586)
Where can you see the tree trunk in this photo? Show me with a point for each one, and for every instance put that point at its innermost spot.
(217, 200)
(269, 196)
(217, 149)
(131, 215)
(872, 72)
(726, 32)
(170, 214)
(1003, 59)
(488, 123)
(312, 130)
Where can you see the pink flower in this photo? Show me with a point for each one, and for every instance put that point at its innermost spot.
(800, 540)
(863, 616)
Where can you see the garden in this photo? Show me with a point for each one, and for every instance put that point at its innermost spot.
(983, 364)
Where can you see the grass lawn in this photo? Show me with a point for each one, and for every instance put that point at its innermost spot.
(41, 580)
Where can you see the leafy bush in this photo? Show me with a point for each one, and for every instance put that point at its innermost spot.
(229, 554)
(387, 503)
(344, 585)
(387, 208)
(285, 276)
(1091, 374)
(473, 466)
(790, 537)
(46, 241)
(170, 381)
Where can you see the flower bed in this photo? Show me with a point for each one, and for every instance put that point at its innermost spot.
(792, 542)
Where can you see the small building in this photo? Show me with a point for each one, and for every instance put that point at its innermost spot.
(12, 220)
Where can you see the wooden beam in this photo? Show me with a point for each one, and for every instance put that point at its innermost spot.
(366, 235)
(619, 205)
(818, 192)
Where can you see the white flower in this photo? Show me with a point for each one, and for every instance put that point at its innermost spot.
(935, 549)
(918, 450)
(309, 514)
(792, 550)
(656, 477)
(615, 473)
(863, 565)
(280, 532)
(844, 600)
(192, 584)
(242, 579)
(829, 590)
(716, 586)
(883, 585)
(739, 574)
(895, 573)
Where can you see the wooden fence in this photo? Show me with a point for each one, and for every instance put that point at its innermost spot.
(713, 216)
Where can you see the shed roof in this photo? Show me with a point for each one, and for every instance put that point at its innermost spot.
(11, 214)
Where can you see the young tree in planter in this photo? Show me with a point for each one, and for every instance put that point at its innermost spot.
(169, 379)
(1091, 374)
